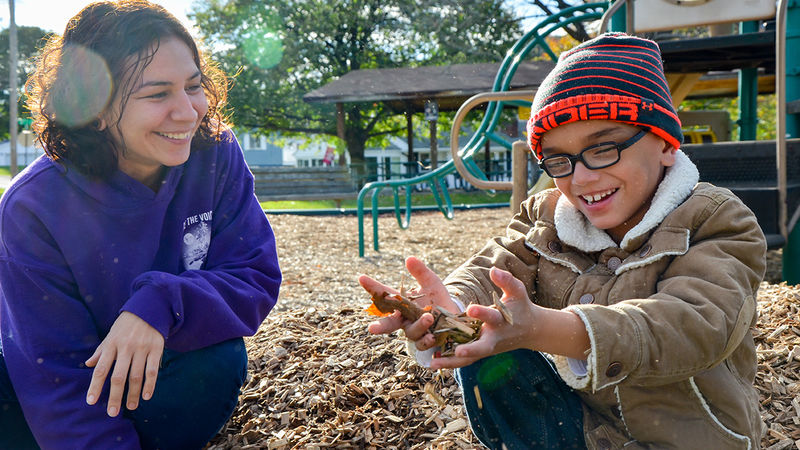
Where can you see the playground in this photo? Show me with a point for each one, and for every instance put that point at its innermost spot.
(318, 380)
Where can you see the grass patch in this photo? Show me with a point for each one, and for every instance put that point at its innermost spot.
(417, 199)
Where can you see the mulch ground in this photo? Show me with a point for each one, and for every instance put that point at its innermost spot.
(318, 380)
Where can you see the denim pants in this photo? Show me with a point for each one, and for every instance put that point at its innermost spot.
(516, 400)
(195, 395)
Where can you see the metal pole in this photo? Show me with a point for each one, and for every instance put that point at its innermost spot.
(618, 20)
(12, 89)
(630, 27)
(748, 93)
(787, 88)
(434, 146)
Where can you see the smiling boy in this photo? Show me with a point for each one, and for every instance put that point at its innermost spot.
(632, 286)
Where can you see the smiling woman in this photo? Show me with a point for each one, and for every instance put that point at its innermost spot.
(134, 255)
(161, 115)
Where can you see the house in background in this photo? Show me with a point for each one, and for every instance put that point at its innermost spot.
(25, 153)
(259, 150)
(381, 163)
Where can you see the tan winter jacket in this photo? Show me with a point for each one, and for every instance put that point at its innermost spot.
(668, 311)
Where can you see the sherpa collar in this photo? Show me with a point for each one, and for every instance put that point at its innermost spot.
(574, 228)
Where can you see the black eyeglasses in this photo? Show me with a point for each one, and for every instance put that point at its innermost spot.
(597, 156)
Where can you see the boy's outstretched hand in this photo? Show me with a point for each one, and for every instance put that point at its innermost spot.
(430, 292)
(534, 327)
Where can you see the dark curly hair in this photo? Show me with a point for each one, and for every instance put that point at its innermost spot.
(104, 50)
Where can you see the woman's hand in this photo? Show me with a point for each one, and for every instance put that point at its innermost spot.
(134, 349)
(431, 292)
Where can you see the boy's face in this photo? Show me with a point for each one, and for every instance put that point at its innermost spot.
(614, 198)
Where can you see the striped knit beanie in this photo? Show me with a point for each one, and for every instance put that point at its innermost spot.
(611, 77)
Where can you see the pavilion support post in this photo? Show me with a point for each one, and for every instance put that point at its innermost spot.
(411, 167)
(432, 116)
(487, 158)
(434, 146)
(340, 131)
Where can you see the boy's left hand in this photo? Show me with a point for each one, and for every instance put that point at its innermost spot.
(497, 335)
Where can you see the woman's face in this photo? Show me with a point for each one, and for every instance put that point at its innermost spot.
(161, 116)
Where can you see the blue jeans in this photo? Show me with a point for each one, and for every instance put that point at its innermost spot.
(517, 400)
(195, 395)
(14, 431)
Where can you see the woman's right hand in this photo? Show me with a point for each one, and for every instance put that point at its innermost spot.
(133, 349)
(430, 292)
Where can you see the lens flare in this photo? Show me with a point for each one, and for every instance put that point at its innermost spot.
(264, 48)
(83, 88)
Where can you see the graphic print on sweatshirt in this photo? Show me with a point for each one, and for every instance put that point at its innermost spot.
(196, 239)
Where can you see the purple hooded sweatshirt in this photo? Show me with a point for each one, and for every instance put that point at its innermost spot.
(196, 260)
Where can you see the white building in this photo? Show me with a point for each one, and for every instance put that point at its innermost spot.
(25, 153)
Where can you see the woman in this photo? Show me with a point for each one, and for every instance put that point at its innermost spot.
(133, 255)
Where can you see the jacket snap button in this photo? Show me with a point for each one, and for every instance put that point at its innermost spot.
(645, 250)
(613, 263)
(614, 369)
(554, 246)
(586, 299)
(604, 444)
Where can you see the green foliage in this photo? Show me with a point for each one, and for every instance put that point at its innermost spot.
(765, 129)
(29, 42)
(281, 50)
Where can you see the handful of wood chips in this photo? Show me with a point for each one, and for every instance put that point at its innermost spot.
(450, 329)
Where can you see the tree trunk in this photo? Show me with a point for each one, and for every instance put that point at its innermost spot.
(358, 169)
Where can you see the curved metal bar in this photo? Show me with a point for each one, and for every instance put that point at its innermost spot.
(375, 219)
(437, 185)
(405, 220)
(466, 107)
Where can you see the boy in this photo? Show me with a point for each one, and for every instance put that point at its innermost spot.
(638, 282)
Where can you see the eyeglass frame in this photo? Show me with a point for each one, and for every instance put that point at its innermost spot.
(573, 159)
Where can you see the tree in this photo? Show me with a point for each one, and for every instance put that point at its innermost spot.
(280, 50)
(538, 10)
(29, 42)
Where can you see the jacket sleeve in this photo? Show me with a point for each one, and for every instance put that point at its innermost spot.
(471, 283)
(238, 284)
(47, 334)
(704, 306)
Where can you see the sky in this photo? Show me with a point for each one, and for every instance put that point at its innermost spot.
(29, 12)
(52, 15)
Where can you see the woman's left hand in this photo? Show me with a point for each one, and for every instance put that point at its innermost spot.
(134, 349)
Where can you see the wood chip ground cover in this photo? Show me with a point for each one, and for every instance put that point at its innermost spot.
(318, 379)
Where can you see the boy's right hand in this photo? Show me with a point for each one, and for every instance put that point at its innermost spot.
(430, 292)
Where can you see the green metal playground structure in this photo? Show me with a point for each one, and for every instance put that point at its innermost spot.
(771, 203)
(436, 179)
